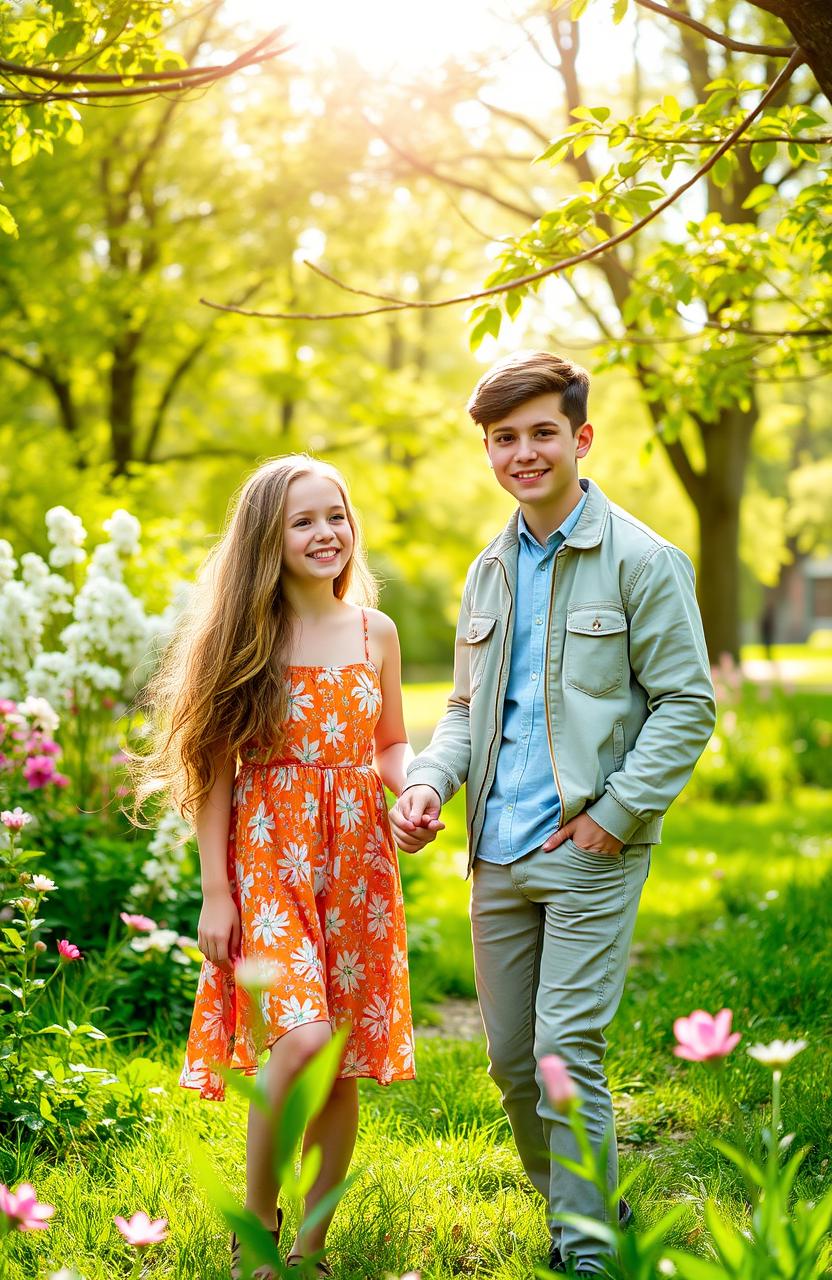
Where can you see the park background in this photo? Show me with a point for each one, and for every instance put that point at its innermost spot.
(399, 153)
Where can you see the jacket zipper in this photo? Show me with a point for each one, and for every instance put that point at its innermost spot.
(546, 685)
(506, 635)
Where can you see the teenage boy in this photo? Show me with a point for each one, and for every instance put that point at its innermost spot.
(582, 700)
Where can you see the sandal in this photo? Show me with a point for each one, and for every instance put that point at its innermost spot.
(262, 1273)
(299, 1259)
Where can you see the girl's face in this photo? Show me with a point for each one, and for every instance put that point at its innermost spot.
(317, 538)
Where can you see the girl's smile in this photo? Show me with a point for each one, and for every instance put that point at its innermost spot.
(317, 540)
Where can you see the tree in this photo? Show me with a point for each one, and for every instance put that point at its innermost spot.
(60, 54)
(702, 319)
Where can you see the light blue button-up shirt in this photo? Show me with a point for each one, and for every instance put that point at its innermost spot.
(523, 807)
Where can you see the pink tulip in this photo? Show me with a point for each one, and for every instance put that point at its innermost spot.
(68, 950)
(138, 924)
(21, 1208)
(702, 1038)
(558, 1083)
(140, 1231)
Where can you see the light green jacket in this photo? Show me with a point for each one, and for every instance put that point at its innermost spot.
(629, 700)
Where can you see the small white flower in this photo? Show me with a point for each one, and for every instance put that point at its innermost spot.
(368, 695)
(124, 531)
(296, 1014)
(328, 675)
(310, 807)
(406, 1051)
(298, 701)
(348, 971)
(245, 883)
(375, 1017)
(269, 923)
(294, 866)
(359, 892)
(40, 714)
(379, 918)
(245, 781)
(157, 940)
(42, 884)
(261, 825)
(777, 1054)
(398, 960)
(308, 752)
(350, 809)
(333, 729)
(354, 1065)
(306, 962)
(213, 1022)
(333, 922)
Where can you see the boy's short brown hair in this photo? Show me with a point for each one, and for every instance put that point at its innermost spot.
(522, 376)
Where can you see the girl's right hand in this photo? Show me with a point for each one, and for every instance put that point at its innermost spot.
(218, 932)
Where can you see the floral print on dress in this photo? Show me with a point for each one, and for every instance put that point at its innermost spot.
(314, 874)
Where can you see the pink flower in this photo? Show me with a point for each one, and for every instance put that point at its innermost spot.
(68, 950)
(60, 780)
(45, 746)
(22, 1210)
(140, 1231)
(138, 924)
(558, 1083)
(702, 1038)
(7, 706)
(15, 819)
(39, 771)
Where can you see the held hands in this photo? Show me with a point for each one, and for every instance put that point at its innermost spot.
(584, 832)
(218, 932)
(414, 818)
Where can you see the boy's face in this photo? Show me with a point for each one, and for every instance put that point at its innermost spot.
(534, 452)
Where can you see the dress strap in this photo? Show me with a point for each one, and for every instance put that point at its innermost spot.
(366, 636)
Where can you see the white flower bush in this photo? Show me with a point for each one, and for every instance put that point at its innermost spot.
(162, 872)
(107, 634)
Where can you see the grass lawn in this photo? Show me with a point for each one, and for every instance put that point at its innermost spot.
(440, 1188)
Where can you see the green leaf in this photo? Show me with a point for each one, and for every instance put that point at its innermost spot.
(488, 324)
(722, 171)
(671, 107)
(691, 1268)
(578, 7)
(7, 223)
(513, 303)
(762, 154)
(729, 1243)
(310, 1167)
(56, 1029)
(619, 10)
(760, 196)
(21, 149)
(14, 938)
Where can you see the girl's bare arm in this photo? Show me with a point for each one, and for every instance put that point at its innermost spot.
(218, 933)
(393, 751)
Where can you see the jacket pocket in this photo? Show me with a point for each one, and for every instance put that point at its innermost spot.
(478, 638)
(596, 648)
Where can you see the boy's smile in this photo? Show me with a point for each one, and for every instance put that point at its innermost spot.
(534, 454)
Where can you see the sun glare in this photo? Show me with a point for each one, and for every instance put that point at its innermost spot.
(388, 37)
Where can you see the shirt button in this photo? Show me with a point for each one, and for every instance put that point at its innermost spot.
(542, 568)
(509, 808)
(534, 675)
(538, 622)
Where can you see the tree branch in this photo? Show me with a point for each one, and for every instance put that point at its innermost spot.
(739, 46)
(402, 304)
(184, 81)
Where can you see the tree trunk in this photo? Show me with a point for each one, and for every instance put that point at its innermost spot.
(810, 22)
(718, 502)
(123, 374)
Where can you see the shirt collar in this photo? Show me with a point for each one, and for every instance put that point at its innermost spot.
(559, 535)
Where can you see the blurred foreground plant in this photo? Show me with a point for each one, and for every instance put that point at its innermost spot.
(785, 1240)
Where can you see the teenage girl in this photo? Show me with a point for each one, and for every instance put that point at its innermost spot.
(281, 701)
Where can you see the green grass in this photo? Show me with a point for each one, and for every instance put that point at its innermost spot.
(440, 1188)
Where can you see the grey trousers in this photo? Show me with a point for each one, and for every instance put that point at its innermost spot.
(551, 935)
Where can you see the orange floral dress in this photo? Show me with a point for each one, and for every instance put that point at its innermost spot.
(312, 868)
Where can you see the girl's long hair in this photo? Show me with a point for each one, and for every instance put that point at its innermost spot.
(222, 678)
